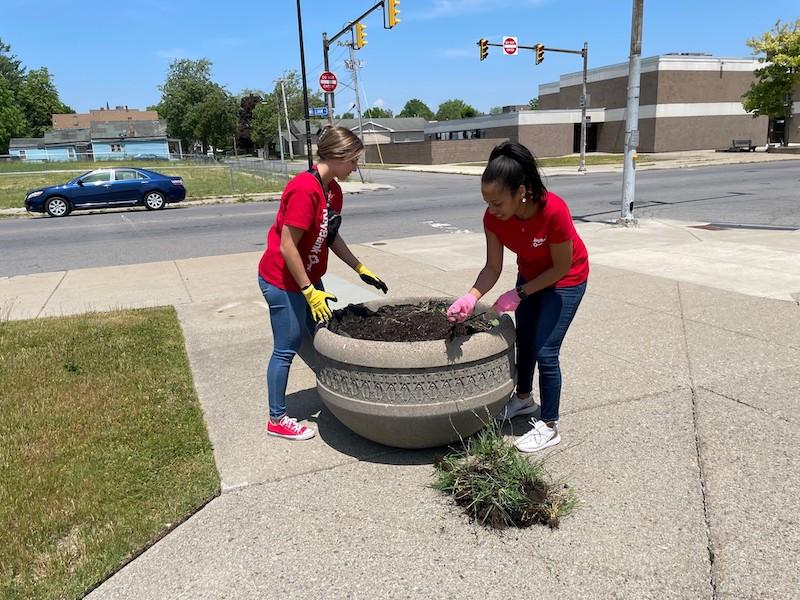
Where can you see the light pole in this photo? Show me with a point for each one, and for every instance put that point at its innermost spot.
(632, 117)
(305, 86)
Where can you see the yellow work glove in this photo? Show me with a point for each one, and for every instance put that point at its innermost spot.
(369, 277)
(318, 302)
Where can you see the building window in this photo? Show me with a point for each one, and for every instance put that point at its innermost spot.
(22, 153)
(116, 147)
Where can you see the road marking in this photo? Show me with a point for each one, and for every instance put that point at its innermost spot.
(445, 227)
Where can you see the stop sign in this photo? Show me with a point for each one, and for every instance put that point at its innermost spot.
(510, 47)
(327, 81)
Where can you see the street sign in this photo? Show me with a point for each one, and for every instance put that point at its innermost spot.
(318, 112)
(510, 46)
(327, 82)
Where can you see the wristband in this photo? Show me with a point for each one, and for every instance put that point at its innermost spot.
(521, 293)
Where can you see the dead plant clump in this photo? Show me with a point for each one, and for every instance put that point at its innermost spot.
(498, 487)
(406, 322)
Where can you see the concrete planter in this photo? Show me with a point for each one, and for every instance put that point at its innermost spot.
(416, 394)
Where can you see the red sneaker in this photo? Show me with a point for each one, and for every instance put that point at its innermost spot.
(290, 429)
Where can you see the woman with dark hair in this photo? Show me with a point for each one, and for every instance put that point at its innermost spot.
(553, 267)
(295, 260)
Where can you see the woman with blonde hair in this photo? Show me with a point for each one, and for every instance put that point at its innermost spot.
(296, 257)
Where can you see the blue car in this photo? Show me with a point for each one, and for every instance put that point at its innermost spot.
(104, 188)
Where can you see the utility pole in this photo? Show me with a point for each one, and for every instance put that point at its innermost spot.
(584, 104)
(286, 114)
(354, 65)
(280, 135)
(632, 117)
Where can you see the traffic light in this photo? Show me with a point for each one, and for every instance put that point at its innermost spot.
(393, 12)
(361, 36)
(539, 53)
(483, 43)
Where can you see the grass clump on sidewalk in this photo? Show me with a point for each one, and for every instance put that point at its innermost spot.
(103, 447)
(497, 487)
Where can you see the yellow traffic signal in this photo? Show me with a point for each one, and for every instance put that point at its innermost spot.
(361, 36)
(539, 53)
(393, 12)
(483, 44)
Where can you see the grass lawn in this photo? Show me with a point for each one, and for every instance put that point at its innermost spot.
(200, 181)
(103, 448)
(574, 160)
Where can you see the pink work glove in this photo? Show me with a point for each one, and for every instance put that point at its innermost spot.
(507, 302)
(461, 308)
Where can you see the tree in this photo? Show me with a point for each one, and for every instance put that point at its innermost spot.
(534, 103)
(12, 121)
(347, 115)
(11, 68)
(496, 110)
(38, 99)
(194, 107)
(772, 94)
(416, 108)
(264, 124)
(455, 109)
(376, 112)
(247, 103)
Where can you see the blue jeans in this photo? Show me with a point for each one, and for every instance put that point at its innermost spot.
(542, 322)
(291, 320)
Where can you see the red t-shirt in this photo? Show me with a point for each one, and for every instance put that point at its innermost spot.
(530, 240)
(303, 206)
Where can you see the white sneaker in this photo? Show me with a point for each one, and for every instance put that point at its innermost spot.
(540, 437)
(516, 407)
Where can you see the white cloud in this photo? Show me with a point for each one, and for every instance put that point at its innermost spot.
(171, 53)
(378, 102)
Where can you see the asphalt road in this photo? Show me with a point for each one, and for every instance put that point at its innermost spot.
(758, 195)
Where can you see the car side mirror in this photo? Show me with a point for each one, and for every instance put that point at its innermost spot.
(80, 182)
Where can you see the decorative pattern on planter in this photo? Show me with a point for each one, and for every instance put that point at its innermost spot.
(417, 387)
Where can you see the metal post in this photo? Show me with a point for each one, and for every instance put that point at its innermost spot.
(305, 86)
(632, 117)
(355, 66)
(286, 114)
(584, 102)
(328, 95)
(280, 135)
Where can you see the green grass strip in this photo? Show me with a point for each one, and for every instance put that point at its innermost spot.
(103, 448)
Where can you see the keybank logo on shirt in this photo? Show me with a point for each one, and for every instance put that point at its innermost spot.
(313, 255)
(538, 241)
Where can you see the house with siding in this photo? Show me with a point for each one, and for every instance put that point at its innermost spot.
(99, 135)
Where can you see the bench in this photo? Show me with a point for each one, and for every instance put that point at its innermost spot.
(742, 146)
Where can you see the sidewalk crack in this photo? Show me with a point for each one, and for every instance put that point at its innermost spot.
(756, 408)
(698, 451)
(183, 281)
(58, 285)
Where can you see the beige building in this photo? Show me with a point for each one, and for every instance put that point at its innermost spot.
(119, 113)
(687, 102)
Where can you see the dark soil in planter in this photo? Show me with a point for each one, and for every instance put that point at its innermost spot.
(405, 323)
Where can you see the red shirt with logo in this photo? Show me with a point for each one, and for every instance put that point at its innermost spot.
(530, 240)
(303, 206)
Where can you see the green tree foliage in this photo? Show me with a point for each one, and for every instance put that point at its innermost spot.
(376, 112)
(11, 69)
(264, 123)
(534, 103)
(416, 108)
(194, 107)
(455, 109)
(496, 110)
(12, 121)
(772, 94)
(38, 99)
(247, 103)
(347, 115)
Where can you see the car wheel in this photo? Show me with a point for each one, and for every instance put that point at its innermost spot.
(57, 207)
(154, 201)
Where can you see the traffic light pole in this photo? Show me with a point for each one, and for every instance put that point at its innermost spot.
(305, 86)
(326, 44)
(632, 117)
(584, 98)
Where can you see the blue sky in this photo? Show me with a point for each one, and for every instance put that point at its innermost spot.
(119, 51)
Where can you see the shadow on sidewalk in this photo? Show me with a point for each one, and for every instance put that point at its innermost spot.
(306, 405)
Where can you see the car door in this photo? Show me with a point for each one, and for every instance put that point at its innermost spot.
(127, 186)
(94, 189)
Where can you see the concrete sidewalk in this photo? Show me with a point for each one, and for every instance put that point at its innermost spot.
(680, 426)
